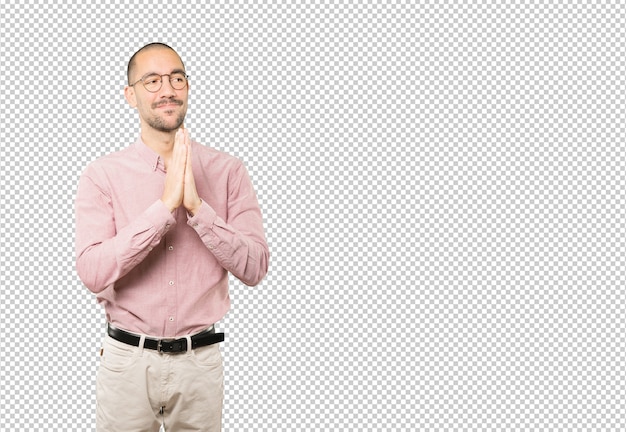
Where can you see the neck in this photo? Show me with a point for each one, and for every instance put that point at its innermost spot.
(160, 142)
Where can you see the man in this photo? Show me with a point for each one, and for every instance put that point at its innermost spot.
(159, 225)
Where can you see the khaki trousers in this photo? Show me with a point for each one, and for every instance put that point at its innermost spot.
(138, 390)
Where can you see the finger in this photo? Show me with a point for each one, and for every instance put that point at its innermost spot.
(188, 147)
(177, 143)
(180, 150)
(179, 138)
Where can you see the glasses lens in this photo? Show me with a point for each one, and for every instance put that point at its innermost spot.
(152, 83)
(178, 81)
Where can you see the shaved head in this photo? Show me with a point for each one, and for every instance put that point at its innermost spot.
(151, 46)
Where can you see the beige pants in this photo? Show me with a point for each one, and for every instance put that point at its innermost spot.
(133, 384)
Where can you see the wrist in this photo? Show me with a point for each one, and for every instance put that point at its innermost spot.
(194, 209)
(169, 207)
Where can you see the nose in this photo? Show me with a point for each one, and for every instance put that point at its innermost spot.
(166, 89)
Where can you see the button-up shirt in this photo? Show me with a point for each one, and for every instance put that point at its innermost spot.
(162, 273)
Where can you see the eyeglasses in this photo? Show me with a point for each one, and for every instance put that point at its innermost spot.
(153, 82)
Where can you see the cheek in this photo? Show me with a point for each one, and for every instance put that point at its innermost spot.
(143, 104)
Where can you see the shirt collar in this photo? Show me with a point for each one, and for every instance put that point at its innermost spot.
(153, 159)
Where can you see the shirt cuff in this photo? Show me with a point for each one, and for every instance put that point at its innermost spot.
(203, 219)
(203, 222)
(160, 217)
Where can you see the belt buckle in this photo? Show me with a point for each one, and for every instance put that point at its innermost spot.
(170, 346)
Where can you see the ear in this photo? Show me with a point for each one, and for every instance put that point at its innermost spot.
(131, 98)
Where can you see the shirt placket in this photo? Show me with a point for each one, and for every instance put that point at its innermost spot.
(171, 281)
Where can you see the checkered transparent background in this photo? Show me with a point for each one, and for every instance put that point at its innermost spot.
(442, 185)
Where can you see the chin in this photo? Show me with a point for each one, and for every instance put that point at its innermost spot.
(167, 126)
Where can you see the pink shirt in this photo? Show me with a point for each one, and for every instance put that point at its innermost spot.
(159, 273)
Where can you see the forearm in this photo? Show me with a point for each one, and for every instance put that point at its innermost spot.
(103, 258)
(243, 252)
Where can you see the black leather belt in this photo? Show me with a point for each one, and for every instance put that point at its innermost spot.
(208, 337)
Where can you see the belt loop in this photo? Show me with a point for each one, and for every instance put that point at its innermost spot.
(189, 350)
(142, 340)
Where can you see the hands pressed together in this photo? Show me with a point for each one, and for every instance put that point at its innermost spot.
(180, 187)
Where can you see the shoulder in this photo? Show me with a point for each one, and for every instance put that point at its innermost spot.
(110, 164)
(216, 158)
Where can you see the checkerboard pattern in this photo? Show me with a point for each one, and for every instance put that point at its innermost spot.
(442, 186)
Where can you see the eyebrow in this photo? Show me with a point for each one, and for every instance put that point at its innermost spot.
(156, 73)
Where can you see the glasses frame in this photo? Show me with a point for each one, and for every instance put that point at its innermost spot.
(169, 78)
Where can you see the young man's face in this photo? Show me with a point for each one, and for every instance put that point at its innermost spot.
(165, 109)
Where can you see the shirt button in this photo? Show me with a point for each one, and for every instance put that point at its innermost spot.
(171, 248)
(171, 318)
(167, 226)
(171, 282)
